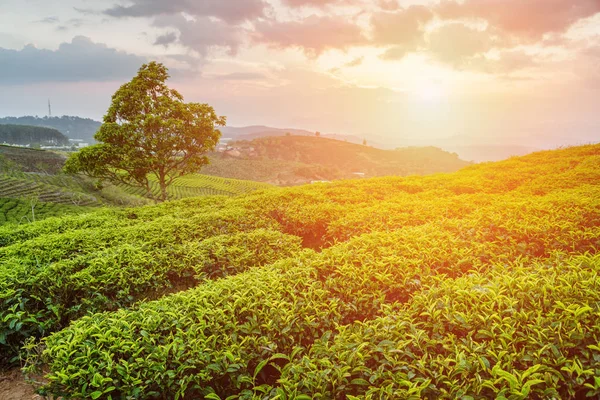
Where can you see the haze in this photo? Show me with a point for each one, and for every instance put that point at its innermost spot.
(508, 72)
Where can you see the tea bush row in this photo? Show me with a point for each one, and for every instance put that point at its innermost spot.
(36, 301)
(519, 331)
(226, 337)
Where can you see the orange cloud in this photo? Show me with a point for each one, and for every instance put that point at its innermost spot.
(402, 27)
(455, 43)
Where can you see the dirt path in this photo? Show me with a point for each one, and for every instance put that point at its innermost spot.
(14, 387)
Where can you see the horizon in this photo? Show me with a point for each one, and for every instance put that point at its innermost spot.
(401, 72)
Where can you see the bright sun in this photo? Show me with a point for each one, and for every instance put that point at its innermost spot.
(430, 92)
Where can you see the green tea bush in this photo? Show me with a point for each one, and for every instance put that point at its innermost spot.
(234, 336)
(522, 331)
(40, 298)
(218, 337)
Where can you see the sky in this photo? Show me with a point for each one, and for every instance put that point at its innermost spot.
(403, 72)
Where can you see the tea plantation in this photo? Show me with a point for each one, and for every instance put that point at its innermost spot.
(484, 283)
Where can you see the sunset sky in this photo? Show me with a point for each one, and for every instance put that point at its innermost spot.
(521, 72)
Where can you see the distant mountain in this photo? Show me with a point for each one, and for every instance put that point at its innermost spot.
(291, 160)
(489, 152)
(72, 127)
(259, 131)
(24, 135)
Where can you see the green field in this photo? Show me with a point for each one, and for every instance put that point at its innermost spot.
(33, 178)
(293, 160)
(200, 185)
(478, 284)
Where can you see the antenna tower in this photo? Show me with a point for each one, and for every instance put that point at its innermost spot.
(49, 109)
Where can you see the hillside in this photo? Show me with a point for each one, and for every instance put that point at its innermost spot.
(289, 160)
(31, 177)
(481, 283)
(260, 131)
(24, 135)
(70, 126)
(18, 159)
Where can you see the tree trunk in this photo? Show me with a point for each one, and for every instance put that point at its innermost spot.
(163, 187)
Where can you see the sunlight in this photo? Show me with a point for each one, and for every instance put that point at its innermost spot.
(430, 92)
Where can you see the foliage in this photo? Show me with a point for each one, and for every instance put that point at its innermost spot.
(519, 331)
(149, 130)
(30, 135)
(200, 185)
(478, 284)
(73, 127)
(304, 158)
(18, 211)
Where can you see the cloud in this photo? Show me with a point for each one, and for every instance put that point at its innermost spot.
(166, 39)
(203, 33)
(355, 63)
(455, 43)
(528, 20)
(232, 11)
(79, 60)
(389, 5)
(505, 62)
(317, 3)
(395, 53)
(49, 20)
(240, 76)
(314, 34)
(402, 27)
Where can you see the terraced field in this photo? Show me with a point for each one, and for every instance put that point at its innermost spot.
(201, 185)
(20, 211)
(33, 178)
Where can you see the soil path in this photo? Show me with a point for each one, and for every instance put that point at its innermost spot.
(14, 387)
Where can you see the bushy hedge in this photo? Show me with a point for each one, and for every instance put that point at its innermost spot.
(37, 301)
(219, 337)
(233, 336)
(520, 331)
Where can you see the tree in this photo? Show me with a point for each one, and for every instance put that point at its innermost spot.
(318, 134)
(364, 142)
(148, 134)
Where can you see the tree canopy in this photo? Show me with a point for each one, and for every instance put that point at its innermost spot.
(31, 135)
(149, 133)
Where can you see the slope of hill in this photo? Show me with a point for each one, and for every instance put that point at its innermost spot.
(29, 160)
(25, 135)
(201, 185)
(260, 131)
(72, 127)
(286, 160)
(483, 153)
(32, 178)
(477, 284)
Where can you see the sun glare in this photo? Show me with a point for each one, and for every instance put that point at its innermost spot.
(430, 92)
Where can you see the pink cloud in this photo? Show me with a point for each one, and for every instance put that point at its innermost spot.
(454, 43)
(402, 27)
(527, 19)
(314, 34)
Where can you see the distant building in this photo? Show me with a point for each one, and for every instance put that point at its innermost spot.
(79, 143)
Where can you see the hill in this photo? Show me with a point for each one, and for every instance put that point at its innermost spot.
(72, 127)
(24, 135)
(288, 160)
(260, 131)
(32, 187)
(19, 159)
(481, 283)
